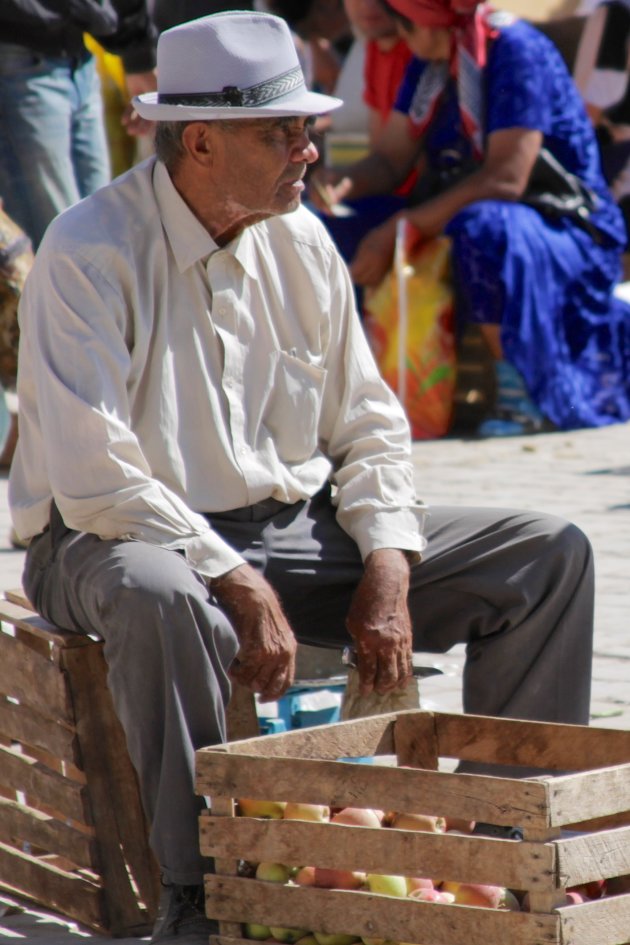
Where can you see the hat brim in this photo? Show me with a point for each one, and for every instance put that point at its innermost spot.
(305, 103)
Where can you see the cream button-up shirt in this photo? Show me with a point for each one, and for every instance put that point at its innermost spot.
(162, 377)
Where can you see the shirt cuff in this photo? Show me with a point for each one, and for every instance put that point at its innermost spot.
(392, 528)
(210, 556)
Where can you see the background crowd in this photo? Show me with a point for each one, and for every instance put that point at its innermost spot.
(414, 142)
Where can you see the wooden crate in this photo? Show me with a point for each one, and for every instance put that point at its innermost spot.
(72, 831)
(576, 828)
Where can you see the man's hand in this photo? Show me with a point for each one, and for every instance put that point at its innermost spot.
(266, 659)
(379, 622)
(137, 84)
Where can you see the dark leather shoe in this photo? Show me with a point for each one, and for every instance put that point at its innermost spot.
(182, 917)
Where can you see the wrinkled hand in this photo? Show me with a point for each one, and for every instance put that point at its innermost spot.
(374, 255)
(380, 625)
(137, 84)
(265, 662)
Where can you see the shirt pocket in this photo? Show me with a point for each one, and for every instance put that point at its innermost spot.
(294, 407)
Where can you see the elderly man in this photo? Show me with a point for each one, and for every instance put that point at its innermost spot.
(209, 465)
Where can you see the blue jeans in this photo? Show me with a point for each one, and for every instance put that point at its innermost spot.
(53, 148)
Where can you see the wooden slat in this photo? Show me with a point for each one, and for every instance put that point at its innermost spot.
(415, 741)
(120, 825)
(602, 922)
(33, 680)
(493, 800)
(589, 794)
(594, 856)
(385, 850)
(21, 724)
(242, 718)
(67, 893)
(20, 824)
(29, 621)
(355, 738)
(51, 789)
(360, 913)
(538, 744)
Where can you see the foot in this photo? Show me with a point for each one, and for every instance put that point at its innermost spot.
(182, 917)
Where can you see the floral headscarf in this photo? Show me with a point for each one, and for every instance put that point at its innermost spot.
(472, 24)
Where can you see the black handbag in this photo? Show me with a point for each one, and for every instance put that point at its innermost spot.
(556, 193)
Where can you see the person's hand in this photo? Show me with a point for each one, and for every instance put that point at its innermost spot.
(374, 255)
(326, 188)
(379, 623)
(137, 84)
(265, 662)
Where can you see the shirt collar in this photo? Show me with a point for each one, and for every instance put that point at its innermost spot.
(189, 239)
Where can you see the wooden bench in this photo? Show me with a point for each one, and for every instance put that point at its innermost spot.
(73, 836)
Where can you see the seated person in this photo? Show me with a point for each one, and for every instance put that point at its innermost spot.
(601, 74)
(210, 467)
(481, 100)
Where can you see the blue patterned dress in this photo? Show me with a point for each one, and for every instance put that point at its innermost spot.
(549, 284)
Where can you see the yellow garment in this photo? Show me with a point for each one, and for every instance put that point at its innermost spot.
(122, 147)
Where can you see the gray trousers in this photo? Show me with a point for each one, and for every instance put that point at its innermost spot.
(515, 587)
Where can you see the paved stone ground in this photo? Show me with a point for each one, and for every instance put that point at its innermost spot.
(584, 476)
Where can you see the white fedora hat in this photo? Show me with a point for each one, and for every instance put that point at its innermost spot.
(236, 64)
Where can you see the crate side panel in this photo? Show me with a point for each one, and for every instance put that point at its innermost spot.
(381, 850)
(44, 786)
(20, 824)
(602, 922)
(65, 892)
(588, 795)
(355, 738)
(33, 679)
(21, 724)
(332, 911)
(492, 800)
(593, 856)
(546, 745)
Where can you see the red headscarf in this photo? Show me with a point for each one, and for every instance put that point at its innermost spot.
(469, 22)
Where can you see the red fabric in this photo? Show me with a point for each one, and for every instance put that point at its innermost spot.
(436, 13)
(469, 24)
(383, 73)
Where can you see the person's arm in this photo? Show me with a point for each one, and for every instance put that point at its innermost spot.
(366, 434)
(382, 171)
(503, 175)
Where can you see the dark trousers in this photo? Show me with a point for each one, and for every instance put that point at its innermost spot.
(515, 587)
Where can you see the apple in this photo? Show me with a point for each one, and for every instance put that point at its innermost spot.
(408, 821)
(592, 890)
(307, 940)
(305, 876)
(387, 885)
(271, 810)
(477, 894)
(358, 817)
(335, 938)
(459, 825)
(432, 895)
(319, 813)
(338, 879)
(273, 872)
(418, 882)
(287, 936)
(256, 931)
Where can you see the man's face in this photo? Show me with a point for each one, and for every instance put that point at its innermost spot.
(261, 163)
(370, 19)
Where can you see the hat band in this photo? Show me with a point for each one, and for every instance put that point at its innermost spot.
(231, 96)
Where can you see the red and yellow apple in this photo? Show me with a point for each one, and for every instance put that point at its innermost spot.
(319, 813)
(273, 872)
(268, 809)
(358, 817)
(338, 879)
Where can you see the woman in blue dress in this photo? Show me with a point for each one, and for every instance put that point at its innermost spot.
(485, 95)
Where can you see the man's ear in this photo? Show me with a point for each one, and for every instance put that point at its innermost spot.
(196, 139)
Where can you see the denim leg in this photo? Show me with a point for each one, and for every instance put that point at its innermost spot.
(52, 142)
